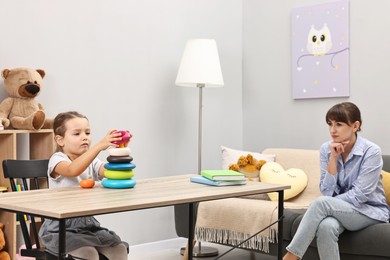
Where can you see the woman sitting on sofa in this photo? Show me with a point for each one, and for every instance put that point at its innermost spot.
(351, 184)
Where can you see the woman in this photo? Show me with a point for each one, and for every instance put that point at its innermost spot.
(351, 184)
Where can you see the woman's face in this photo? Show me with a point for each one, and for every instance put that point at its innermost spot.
(77, 137)
(340, 131)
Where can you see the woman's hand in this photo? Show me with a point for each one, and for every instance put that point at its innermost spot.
(338, 148)
(335, 150)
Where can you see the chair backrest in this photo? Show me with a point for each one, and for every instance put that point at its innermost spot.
(23, 175)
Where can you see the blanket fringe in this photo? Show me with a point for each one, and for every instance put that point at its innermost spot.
(228, 237)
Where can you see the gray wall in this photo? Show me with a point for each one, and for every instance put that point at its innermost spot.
(271, 117)
(116, 62)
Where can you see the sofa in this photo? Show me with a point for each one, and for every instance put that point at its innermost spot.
(371, 243)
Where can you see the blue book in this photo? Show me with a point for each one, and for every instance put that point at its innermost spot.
(203, 180)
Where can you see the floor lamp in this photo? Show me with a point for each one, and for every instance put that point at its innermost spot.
(200, 68)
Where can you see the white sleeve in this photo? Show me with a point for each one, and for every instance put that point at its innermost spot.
(55, 159)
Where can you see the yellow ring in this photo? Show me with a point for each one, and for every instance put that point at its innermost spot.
(118, 175)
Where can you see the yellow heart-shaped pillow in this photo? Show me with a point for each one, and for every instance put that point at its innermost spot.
(273, 172)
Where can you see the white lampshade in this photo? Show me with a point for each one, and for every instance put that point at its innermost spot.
(200, 65)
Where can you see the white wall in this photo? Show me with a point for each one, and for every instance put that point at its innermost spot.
(271, 117)
(116, 62)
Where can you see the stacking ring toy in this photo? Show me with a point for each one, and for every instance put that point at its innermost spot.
(118, 184)
(119, 151)
(119, 159)
(119, 166)
(118, 175)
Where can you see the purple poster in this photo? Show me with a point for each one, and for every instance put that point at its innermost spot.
(320, 50)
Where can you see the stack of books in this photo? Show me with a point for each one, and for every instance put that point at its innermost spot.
(220, 178)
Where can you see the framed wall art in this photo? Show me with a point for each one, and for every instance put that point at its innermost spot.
(320, 50)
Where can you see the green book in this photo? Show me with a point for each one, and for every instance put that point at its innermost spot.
(222, 175)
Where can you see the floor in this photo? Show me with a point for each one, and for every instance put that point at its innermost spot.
(170, 250)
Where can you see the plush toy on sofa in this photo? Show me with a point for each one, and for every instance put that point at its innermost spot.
(20, 109)
(249, 166)
(3, 254)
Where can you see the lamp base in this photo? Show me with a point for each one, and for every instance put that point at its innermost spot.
(205, 251)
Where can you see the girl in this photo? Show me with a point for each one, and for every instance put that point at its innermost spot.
(74, 161)
(351, 184)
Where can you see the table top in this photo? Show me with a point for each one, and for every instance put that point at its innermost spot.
(148, 193)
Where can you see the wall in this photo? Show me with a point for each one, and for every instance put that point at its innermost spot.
(271, 117)
(116, 62)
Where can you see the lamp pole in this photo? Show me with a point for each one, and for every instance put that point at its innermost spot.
(200, 86)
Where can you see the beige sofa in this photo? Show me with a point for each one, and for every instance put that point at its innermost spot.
(231, 221)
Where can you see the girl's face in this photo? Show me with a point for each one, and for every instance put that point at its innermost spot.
(77, 137)
(340, 131)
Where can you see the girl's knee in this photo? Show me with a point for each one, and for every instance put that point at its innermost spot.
(122, 248)
(118, 252)
(86, 252)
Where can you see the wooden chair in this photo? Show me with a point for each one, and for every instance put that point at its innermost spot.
(23, 175)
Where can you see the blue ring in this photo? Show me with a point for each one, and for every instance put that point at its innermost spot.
(119, 166)
(118, 184)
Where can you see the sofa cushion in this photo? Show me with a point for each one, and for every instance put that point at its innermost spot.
(306, 160)
(289, 225)
(386, 185)
(273, 172)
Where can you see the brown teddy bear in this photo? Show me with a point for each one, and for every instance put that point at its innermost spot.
(20, 109)
(248, 166)
(3, 254)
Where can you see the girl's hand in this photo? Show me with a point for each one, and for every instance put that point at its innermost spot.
(125, 138)
(108, 140)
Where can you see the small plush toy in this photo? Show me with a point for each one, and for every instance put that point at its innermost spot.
(3, 254)
(20, 109)
(248, 166)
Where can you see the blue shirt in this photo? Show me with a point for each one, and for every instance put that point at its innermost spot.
(358, 180)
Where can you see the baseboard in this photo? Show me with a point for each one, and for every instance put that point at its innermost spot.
(159, 245)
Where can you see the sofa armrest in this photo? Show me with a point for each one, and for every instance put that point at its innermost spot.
(386, 162)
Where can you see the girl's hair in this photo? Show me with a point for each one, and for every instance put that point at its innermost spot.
(60, 121)
(345, 112)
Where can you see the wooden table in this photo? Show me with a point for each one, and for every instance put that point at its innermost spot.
(64, 203)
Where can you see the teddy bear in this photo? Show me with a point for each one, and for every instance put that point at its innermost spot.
(249, 166)
(3, 254)
(20, 109)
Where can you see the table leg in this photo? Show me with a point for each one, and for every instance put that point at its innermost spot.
(280, 224)
(190, 230)
(61, 245)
